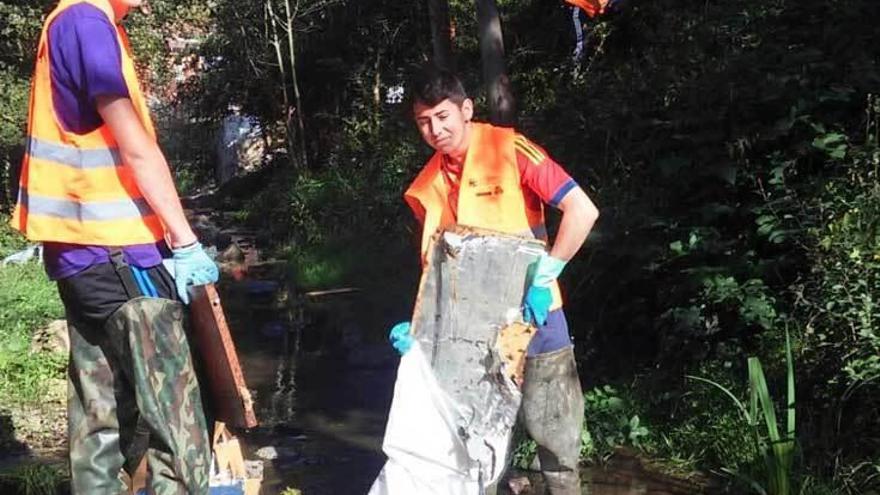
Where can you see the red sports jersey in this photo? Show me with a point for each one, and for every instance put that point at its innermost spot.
(541, 177)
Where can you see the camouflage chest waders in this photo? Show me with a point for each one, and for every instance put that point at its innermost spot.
(132, 388)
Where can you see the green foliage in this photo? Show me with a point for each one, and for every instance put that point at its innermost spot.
(189, 179)
(702, 437)
(722, 295)
(14, 92)
(613, 421)
(28, 300)
(10, 240)
(736, 176)
(166, 22)
(317, 268)
(33, 479)
(358, 192)
(776, 449)
(524, 452)
(19, 33)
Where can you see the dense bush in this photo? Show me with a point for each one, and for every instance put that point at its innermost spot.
(733, 152)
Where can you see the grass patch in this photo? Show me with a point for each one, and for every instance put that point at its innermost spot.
(321, 267)
(385, 272)
(362, 261)
(28, 300)
(33, 479)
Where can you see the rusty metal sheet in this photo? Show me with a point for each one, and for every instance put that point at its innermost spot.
(468, 320)
(513, 342)
(232, 399)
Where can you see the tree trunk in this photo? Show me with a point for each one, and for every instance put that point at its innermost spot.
(272, 20)
(297, 100)
(502, 106)
(441, 33)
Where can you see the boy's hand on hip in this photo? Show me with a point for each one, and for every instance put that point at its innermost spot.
(539, 298)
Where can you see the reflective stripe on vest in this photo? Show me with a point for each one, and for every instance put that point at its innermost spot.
(75, 188)
(490, 194)
(72, 156)
(94, 211)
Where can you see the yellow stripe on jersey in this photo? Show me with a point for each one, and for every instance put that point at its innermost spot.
(523, 145)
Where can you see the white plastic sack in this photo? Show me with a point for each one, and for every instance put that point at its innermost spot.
(426, 456)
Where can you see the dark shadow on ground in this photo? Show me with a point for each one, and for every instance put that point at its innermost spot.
(8, 443)
(21, 471)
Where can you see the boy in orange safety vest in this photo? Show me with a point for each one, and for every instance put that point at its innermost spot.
(493, 177)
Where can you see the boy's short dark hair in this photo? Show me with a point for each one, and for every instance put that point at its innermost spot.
(431, 85)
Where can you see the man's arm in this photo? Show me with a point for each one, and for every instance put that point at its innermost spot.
(148, 166)
(578, 216)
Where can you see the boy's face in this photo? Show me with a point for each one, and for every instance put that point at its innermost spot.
(444, 126)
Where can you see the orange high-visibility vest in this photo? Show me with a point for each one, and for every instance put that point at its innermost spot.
(490, 194)
(74, 187)
(591, 7)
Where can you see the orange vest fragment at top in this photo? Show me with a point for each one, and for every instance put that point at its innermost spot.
(591, 7)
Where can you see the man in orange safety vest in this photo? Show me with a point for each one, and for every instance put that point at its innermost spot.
(96, 190)
(493, 177)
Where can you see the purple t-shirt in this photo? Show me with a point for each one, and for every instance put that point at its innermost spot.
(85, 62)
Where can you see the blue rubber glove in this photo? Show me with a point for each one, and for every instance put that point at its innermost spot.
(192, 266)
(536, 305)
(401, 338)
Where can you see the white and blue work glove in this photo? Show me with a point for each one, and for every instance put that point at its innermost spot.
(192, 266)
(536, 305)
(401, 338)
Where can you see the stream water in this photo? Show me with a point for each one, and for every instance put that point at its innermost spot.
(323, 392)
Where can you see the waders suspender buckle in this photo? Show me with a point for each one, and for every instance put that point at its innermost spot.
(125, 274)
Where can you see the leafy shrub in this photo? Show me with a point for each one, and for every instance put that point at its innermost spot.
(10, 240)
(34, 479)
(613, 421)
(28, 300)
